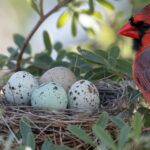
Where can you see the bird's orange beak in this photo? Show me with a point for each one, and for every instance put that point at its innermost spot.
(129, 31)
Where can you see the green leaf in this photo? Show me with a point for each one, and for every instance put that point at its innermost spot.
(124, 66)
(114, 52)
(134, 96)
(104, 136)
(59, 63)
(42, 60)
(81, 134)
(11, 65)
(92, 57)
(77, 3)
(137, 124)
(97, 73)
(21, 148)
(62, 20)
(76, 71)
(58, 46)
(3, 60)
(123, 137)
(101, 53)
(146, 114)
(106, 4)
(61, 55)
(19, 40)
(118, 121)
(25, 129)
(31, 140)
(102, 146)
(90, 32)
(34, 5)
(13, 53)
(97, 15)
(47, 145)
(91, 6)
(63, 148)
(74, 24)
(103, 120)
(47, 42)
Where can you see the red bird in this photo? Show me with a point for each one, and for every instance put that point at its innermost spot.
(138, 28)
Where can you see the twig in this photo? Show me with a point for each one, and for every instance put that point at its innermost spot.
(35, 28)
(10, 130)
(41, 8)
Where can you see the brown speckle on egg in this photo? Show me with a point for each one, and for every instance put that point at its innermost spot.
(3, 90)
(90, 89)
(55, 88)
(74, 98)
(41, 93)
(70, 93)
(13, 88)
(84, 95)
(82, 81)
(19, 86)
(23, 76)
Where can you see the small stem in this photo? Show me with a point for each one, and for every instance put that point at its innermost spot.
(41, 8)
(35, 28)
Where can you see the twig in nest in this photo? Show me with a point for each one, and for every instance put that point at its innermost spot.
(43, 17)
(10, 130)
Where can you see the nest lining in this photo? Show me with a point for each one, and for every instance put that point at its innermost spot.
(52, 123)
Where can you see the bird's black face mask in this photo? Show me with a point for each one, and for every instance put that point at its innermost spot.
(141, 28)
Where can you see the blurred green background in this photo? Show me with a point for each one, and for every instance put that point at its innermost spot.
(18, 17)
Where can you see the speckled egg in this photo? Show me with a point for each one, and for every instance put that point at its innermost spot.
(84, 95)
(20, 87)
(50, 95)
(61, 75)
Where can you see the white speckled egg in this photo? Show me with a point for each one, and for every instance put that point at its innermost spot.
(20, 87)
(50, 95)
(84, 95)
(61, 75)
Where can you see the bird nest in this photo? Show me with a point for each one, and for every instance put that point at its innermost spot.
(53, 123)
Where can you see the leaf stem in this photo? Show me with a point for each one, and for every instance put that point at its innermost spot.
(35, 28)
(41, 8)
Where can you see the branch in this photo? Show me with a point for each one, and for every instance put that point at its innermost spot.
(35, 28)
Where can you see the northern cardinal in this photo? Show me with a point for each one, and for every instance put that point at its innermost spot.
(138, 28)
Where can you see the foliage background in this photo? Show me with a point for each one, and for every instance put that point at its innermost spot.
(17, 17)
(91, 45)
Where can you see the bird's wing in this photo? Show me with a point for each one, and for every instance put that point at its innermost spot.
(142, 71)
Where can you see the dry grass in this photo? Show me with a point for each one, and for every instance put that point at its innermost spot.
(53, 124)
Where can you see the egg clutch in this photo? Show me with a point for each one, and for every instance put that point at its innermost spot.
(57, 88)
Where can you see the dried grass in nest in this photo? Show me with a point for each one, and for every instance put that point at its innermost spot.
(53, 124)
